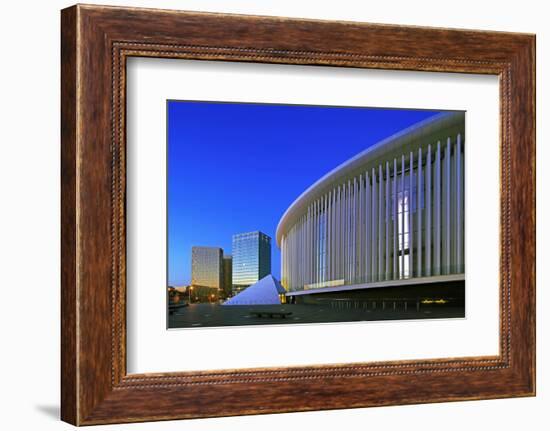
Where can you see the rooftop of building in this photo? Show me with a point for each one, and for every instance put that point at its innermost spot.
(255, 232)
(428, 131)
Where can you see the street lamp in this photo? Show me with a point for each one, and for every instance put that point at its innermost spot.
(189, 289)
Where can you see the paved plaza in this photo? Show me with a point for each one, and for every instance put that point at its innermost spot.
(211, 315)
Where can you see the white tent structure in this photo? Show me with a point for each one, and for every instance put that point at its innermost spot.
(266, 291)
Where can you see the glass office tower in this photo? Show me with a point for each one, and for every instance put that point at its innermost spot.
(251, 259)
(206, 270)
(227, 275)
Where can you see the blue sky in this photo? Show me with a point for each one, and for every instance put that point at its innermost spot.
(236, 167)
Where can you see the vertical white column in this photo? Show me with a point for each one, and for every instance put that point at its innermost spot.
(327, 238)
(287, 247)
(298, 249)
(381, 211)
(360, 233)
(322, 236)
(306, 248)
(298, 245)
(354, 232)
(290, 267)
(410, 208)
(447, 182)
(300, 252)
(326, 242)
(301, 245)
(374, 239)
(344, 232)
(309, 231)
(357, 233)
(325, 235)
(368, 233)
(340, 232)
(296, 279)
(301, 256)
(283, 263)
(316, 242)
(419, 213)
(428, 206)
(308, 254)
(322, 226)
(341, 256)
(437, 211)
(297, 254)
(334, 230)
(319, 231)
(336, 233)
(324, 239)
(312, 244)
(350, 230)
(287, 264)
(395, 192)
(330, 251)
(387, 203)
(319, 239)
(402, 218)
(283, 254)
(459, 207)
(303, 252)
(453, 206)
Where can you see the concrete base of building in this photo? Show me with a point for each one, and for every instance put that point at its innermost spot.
(433, 295)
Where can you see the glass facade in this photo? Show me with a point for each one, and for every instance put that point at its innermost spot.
(227, 275)
(251, 259)
(206, 267)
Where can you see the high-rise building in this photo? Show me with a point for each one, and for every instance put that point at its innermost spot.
(251, 259)
(227, 278)
(206, 271)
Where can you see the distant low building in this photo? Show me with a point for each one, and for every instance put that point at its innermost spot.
(180, 289)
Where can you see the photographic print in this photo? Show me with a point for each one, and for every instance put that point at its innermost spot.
(299, 214)
(291, 212)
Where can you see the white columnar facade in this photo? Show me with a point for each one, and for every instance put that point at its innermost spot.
(395, 211)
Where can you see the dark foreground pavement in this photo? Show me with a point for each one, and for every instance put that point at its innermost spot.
(210, 315)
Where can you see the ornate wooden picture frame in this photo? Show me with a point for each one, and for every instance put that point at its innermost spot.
(96, 41)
